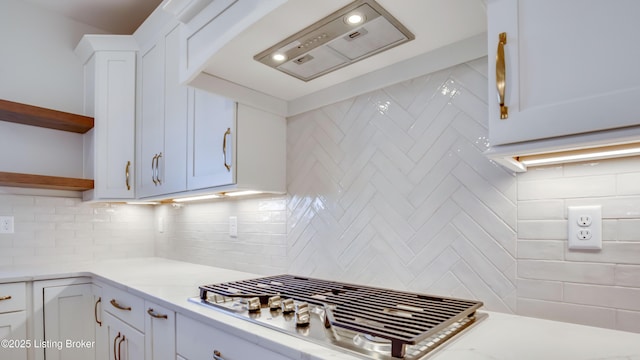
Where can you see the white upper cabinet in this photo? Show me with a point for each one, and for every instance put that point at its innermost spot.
(110, 78)
(162, 124)
(571, 67)
(211, 140)
(234, 147)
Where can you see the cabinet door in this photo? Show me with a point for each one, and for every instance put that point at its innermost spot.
(151, 119)
(211, 140)
(163, 119)
(114, 125)
(160, 333)
(68, 315)
(571, 67)
(173, 164)
(124, 342)
(13, 326)
(100, 330)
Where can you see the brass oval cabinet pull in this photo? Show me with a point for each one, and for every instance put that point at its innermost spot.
(126, 173)
(156, 315)
(224, 149)
(501, 76)
(115, 304)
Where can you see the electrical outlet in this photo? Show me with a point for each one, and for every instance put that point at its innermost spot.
(233, 226)
(585, 227)
(6, 224)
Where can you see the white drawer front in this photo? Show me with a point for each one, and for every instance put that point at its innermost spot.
(125, 306)
(12, 297)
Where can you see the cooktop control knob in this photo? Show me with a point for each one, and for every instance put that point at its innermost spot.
(288, 306)
(275, 302)
(303, 316)
(253, 304)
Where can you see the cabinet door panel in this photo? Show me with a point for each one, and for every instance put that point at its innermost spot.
(210, 145)
(160, 332)
(115, 123)
(68, 316)
(570, 67)
(13, 326)
(125, 342)
(173, 164)
(151, 118)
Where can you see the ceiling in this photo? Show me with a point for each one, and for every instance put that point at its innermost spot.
(112, 16)
(435, 23)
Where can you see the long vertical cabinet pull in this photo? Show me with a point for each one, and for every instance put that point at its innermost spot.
(158, 169)
(115, 346)
(153, 169)
(120, 347)
(95, 311)
(224, 149)
(501, 76)
(126, 174)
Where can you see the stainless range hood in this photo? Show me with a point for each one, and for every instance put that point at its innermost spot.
(355, 32)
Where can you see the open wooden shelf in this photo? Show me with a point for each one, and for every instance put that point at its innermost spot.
(47, 118)
(44, 182)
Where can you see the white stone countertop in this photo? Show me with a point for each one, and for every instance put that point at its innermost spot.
(499, 337)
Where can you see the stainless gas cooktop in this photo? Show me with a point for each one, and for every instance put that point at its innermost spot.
(369, 322)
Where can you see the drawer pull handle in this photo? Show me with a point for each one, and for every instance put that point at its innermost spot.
(217, 355)
(156, 315)
(501, 76)
(115, 304)
(8, 297)
(95, 311)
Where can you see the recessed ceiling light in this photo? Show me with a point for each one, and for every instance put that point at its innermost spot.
(279, 57)
(355, 19)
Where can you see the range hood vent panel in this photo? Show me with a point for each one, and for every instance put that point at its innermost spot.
(332, 43)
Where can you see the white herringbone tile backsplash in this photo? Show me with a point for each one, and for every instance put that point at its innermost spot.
(391, 188)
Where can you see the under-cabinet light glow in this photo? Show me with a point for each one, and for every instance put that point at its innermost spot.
(243, 193)
(142, 203)
(581, 155)
(196, 198)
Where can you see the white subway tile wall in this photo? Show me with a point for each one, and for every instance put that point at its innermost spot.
(198, 232)
(58, 229)
(600, 288)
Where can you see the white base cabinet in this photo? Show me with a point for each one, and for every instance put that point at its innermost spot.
(13, 321)
(64, 319)
(124, 341)
(570, 67)
(160, 332)
(196, 341)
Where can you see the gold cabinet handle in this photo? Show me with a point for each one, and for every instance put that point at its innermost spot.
(115, 357)
(501, 76)
(115, 304)
(156, 315)
(224, 149)
(153, 169)
(122, 339)
(126, 174)
(217, 355)
(158, 169)
(95, 311)
(8, 297)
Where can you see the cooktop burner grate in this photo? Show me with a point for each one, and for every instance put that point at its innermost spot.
(403, 318)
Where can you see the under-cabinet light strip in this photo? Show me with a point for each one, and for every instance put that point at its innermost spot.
(581, 155)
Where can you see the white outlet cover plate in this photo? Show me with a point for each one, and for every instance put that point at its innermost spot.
(573, 215)
(6, 225)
